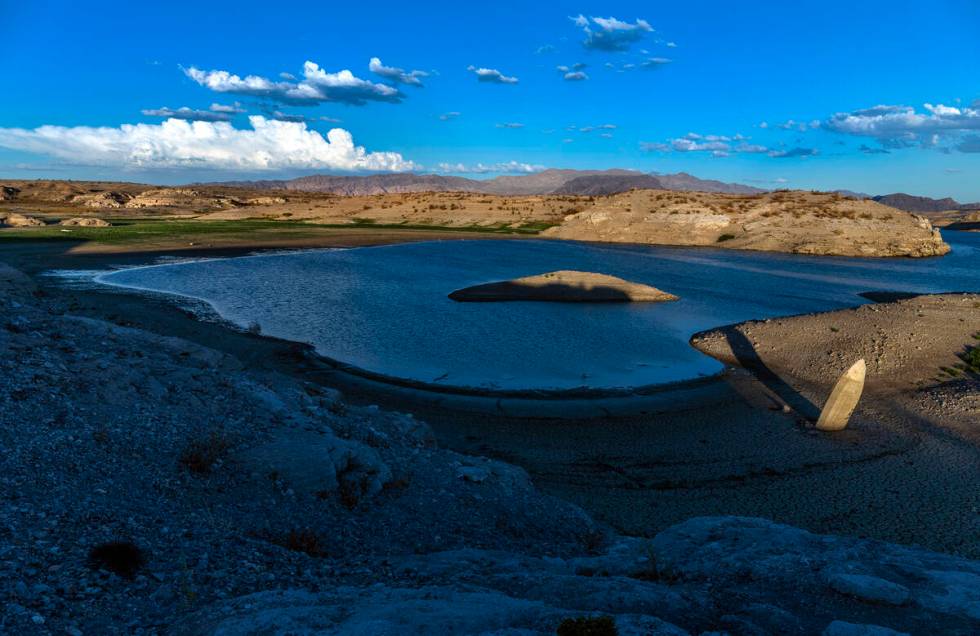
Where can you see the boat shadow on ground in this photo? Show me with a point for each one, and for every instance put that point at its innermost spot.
(747, 357)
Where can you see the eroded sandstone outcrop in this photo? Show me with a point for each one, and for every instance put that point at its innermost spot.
(85, 221)
(13, 219)
(109, 199)
(180, 198)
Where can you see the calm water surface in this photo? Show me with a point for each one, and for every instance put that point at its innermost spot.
(385, 309)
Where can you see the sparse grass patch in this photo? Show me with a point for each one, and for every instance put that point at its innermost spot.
(137, 230)
(396, 484)
(588, 626)
(972, 359)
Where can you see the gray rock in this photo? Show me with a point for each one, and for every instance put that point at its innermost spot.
(869, 588)
(842, 628)
(315, 463)
(383, 610)
(475, 474)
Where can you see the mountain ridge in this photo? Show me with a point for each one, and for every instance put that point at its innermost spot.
(913, 203)
(551, 181)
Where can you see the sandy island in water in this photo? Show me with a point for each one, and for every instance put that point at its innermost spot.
(563, 286)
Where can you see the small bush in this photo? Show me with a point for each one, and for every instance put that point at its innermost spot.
(593, 541)
(201, 455)
(972, 359)
(725, 237)
(588, 626)
(305, 541)
(120, 557)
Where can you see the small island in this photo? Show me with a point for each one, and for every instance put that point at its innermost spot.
(563, 286)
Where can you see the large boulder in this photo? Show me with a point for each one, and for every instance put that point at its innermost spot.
(13, 282)
(85, 221)
(315, 464)
(12, 219)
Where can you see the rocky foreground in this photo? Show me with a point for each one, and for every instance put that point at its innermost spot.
(149, 485)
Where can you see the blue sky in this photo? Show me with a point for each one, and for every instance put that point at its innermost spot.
(881, 96)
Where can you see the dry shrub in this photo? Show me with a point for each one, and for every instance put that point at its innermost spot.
(200, 455)
(305, 541)
(120, 557)
(588, 626)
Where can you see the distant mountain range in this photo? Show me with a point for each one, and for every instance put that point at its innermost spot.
(577, 182)
(554, 181)
(911, 203)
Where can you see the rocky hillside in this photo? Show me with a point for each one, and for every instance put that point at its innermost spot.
(598, 185)
(378, 184)
(689, 183)
(785, 221)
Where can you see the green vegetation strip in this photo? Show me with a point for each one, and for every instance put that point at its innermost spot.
(130, 230)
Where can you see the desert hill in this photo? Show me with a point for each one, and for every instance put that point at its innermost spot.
(609, 184)
(690, 183)
(786, 221)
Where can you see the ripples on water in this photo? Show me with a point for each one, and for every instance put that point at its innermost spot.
(385, 309)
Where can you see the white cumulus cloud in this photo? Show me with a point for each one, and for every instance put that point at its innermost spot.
(491, 75)
(177, 143)
(610, 34)
(901, 126)
(234, 109)
(189, 114)
(396, 74)
(724, 146)
(511, 167)
(655, 62)
(317, 86)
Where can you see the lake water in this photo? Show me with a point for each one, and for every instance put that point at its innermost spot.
(385, 309)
